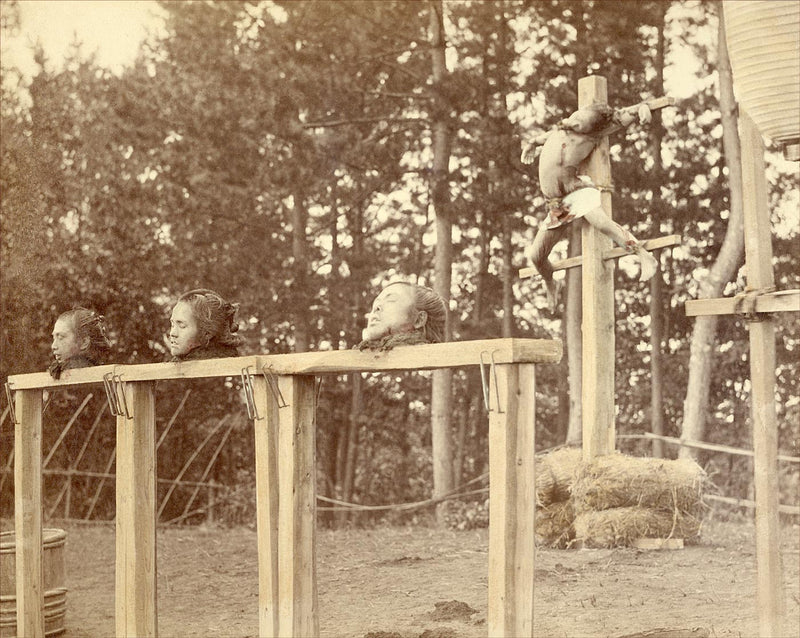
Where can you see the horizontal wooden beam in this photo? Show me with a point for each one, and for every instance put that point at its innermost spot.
(612, 253)
(781, 301)
(422, 357)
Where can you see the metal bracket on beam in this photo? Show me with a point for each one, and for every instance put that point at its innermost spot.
(272, 382)
(249, 394)
(485, 382)
(11, 410)
(115, 388)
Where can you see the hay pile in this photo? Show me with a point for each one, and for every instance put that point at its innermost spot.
(620, 526)
(613, 500)
(555, 474)
(619, 498)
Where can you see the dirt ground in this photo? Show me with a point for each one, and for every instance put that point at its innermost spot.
(424, 583)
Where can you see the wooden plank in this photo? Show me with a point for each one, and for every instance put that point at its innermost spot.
(758, 263)
(782, 301)
(612, 253)
(266, 442)
(598, 300)
(297, 577)
(28, 514)
(423, 357)
(135, 593)
(511, 498)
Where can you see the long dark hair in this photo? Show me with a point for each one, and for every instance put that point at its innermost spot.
(87, 324)
(216, 318)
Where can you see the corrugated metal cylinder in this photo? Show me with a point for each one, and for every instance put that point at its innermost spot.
(764, 47)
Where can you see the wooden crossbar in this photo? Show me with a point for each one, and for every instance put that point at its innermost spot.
(781, 301)
(613, 253)
(423, 357)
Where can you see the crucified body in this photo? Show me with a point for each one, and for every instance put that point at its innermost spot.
(572, 196)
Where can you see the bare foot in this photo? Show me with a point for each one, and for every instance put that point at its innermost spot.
(553, 292)
(648, 263)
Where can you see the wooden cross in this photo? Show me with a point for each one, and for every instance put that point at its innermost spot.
(598, 290)
(756, 304)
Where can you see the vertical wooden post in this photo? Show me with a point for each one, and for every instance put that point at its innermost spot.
(758, 261)
(135, 594)
(266, 443)
(28, 514)
(511, 500)
(297, 573)
(598, 300)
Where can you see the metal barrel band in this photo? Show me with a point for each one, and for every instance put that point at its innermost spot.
(272, 382)
(119, 387)
(249, 394)
(485, 384)
(111, 395)
(11, 410)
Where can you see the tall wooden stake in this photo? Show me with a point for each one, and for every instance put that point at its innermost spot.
(598, 300)
(136, 611)
(758, 260)
(266, 450)
(297, 570)
(28, 514)
(512, 500)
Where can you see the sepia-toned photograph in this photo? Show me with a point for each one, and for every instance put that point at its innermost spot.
(400, 318)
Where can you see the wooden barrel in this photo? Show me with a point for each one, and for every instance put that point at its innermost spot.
(764, 48)
(54, 575)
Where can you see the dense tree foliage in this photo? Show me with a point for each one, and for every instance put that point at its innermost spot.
(281, 153)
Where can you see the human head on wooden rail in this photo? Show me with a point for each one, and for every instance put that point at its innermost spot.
(203, 326)
(404, 313)
(79, 341)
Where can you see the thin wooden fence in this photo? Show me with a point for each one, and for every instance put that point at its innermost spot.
(105, 476)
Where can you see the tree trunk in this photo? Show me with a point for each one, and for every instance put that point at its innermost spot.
(695, 404)
(351, 449)
(441, 398)
(657, 282)
(300, 310)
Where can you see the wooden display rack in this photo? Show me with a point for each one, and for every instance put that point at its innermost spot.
(281, 400)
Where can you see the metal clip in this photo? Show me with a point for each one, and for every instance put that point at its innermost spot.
(11, 409)
(249, 394)
(119, 387)
(111, 395)
(272, 382)
(114, 387)
(485, 384)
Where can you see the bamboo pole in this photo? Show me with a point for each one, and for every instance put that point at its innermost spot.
(66, 429)
(106, 474)
(28, 514)
(7, 469)
(208, 468)
(74, 464)
(172, 419)
(176, 481)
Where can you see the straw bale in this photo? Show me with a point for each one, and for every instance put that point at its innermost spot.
(553, 525)
(616, 480)
(618, 527)
(555, 474)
